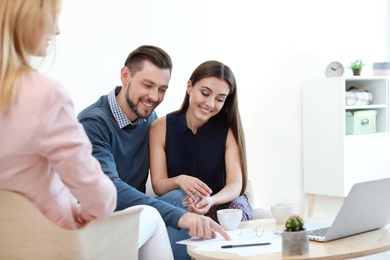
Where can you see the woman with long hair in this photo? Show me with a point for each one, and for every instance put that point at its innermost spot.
(45, 153)
(197, 153)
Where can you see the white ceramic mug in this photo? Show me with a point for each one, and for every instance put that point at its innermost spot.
(282, 211)
(258, 213)
(229, 219)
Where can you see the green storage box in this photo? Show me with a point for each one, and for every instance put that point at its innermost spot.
(360, 122)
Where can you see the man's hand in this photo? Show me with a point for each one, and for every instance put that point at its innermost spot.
(201, 226)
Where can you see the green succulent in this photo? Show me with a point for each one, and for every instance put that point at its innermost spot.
(294, 223)
(357, 65)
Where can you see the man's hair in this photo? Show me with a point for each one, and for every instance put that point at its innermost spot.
(155, 55)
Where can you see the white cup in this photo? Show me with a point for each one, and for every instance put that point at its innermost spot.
(229, 219)
(282, 211)
(261, 213)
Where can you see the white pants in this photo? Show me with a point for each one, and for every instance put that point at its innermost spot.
(153, 241)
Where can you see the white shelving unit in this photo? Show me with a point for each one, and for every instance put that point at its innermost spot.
(332, 160)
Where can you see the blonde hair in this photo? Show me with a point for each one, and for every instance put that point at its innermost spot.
(20, 20)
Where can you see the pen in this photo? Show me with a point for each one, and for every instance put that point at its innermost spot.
(232, 246)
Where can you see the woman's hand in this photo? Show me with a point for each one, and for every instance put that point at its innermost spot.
(200, 207)
(191, 185)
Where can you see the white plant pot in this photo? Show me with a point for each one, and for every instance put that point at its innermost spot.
(295, 242)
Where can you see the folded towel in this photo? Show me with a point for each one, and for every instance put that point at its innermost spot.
(357, 97)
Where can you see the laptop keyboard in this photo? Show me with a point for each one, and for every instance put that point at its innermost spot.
(321, 232)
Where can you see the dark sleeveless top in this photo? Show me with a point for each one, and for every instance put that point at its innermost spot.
(201, 155)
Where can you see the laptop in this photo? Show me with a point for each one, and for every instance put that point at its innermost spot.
(365, 208)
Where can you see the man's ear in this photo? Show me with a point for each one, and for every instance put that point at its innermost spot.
(125, 75)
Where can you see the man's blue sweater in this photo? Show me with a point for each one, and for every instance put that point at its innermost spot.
(124, 157)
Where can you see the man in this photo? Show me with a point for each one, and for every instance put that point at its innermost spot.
(118, 126)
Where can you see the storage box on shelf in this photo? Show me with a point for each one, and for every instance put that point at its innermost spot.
(334, 160)
(381, 69)
(360, 122)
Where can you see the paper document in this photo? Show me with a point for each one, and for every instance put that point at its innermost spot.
(239, 237)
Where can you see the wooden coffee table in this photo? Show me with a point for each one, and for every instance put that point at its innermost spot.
(364, 244)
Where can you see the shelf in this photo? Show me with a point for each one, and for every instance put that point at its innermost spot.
(365, 107)
(332, 160)
(385, 134)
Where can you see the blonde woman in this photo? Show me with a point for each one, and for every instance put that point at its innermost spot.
(45, 154)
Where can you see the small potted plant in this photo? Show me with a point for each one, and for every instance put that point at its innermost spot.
(356, 67)
(295, 239)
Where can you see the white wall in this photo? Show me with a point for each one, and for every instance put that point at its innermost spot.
(272, 47)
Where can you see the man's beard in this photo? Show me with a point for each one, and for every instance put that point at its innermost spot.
(132, 105)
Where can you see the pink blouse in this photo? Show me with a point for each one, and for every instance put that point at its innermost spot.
(46, 156)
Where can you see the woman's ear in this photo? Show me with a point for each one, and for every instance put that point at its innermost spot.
(189, 86)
